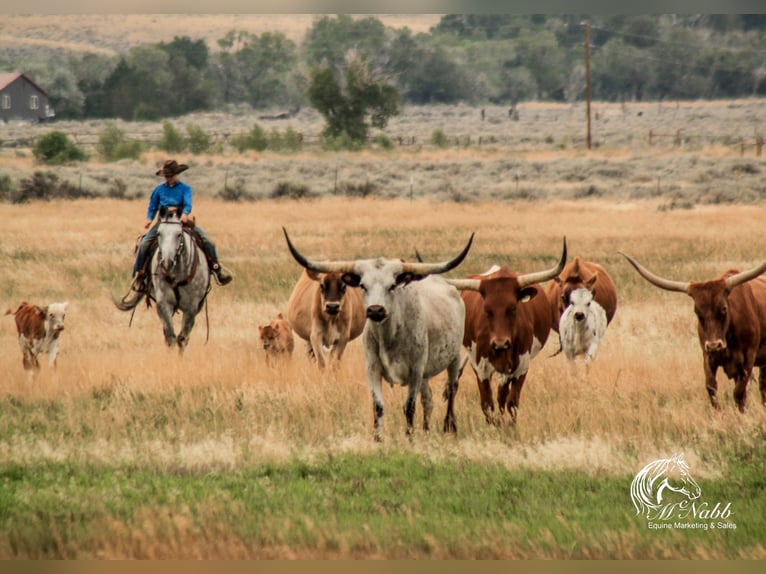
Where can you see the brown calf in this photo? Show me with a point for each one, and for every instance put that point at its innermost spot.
(277, 338)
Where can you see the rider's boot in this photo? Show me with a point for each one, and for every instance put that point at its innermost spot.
(222, 275)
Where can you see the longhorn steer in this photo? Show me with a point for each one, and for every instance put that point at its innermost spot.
(576, 274)
(731, 314)
(39, 329)
(413, 330)
(323, 312)
(507, 322)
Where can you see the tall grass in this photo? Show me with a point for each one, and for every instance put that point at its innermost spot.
(120, 400)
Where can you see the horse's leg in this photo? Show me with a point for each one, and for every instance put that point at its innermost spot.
(186, 327)
(166, 316)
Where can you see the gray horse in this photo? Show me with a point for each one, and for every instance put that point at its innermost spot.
(180, 279)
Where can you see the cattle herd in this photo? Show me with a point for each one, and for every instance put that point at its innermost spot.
(415, 324)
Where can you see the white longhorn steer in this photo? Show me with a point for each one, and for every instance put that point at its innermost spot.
(414, 327)
(582, 326)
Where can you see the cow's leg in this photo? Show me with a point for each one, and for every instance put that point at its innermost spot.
(762, 384)
(450, 391)
(186, 328)
(413, 389)
(427, 402)
(374, 375)
(515, 396)
(337, 352)
(485, 395)
(710, 381)
(740, 390)
(316, 345)
(53, 352)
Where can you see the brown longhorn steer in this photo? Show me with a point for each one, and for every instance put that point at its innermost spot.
(731, 313)
(507, 322)
(326, 313)
(576, 274)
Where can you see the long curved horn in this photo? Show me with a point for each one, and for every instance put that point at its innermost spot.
(540, 276)
(465, 284)
(662, 283)
(443, 267)
(319, 266)
(744, 276)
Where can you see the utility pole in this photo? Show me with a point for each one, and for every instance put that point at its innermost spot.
(587, 76)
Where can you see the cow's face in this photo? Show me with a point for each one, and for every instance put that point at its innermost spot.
(711, 305)
(580, 300)
(269, 336)
(332, 289)
(502, 297)
(569, 285)
(380, 281)
(55, 313)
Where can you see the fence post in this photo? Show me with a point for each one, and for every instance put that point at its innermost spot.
(650, 137)
(741, 147)
(678, 138)
(758, 145)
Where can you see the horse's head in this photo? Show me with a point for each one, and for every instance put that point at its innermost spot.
(170, 241)
(679, 479)
(670, 474)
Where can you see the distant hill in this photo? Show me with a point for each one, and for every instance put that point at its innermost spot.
(115, 33)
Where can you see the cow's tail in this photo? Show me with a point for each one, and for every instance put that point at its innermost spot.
(10, 311)
(561, 348)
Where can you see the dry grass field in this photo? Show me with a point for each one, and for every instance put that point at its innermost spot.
(644, 396)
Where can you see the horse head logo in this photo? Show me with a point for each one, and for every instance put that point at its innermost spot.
(658, 479)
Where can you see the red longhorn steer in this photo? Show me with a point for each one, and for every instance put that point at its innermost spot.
(507, 322)
(39, 329)
(326, 313)
(576, 274)
(731, 313)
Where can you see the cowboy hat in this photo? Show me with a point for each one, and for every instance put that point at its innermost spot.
(171, 167)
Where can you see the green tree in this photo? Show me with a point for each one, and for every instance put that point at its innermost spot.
(346, 109)
(259, 70)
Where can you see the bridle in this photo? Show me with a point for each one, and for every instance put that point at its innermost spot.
(180, 250)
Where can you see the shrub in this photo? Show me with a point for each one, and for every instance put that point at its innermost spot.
(439, 139)
(292, 140)
(199, 141)
(6, 187)
(172, 141)
(236, 193)
(289, 190)
(358, 189)
(46, 186)
(113, 146)
(384, 142)
(341, 142)
(254, 139)
(55, 148)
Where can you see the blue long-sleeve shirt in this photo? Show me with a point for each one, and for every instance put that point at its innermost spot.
(180, 195)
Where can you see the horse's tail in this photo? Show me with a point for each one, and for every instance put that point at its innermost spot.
(129, 301)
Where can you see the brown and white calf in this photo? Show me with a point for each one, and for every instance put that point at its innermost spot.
(39, 330)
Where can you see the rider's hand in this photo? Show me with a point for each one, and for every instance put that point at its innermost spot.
(184, 218)
(147, 224)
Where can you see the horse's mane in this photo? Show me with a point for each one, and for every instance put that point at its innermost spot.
(642, 487)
